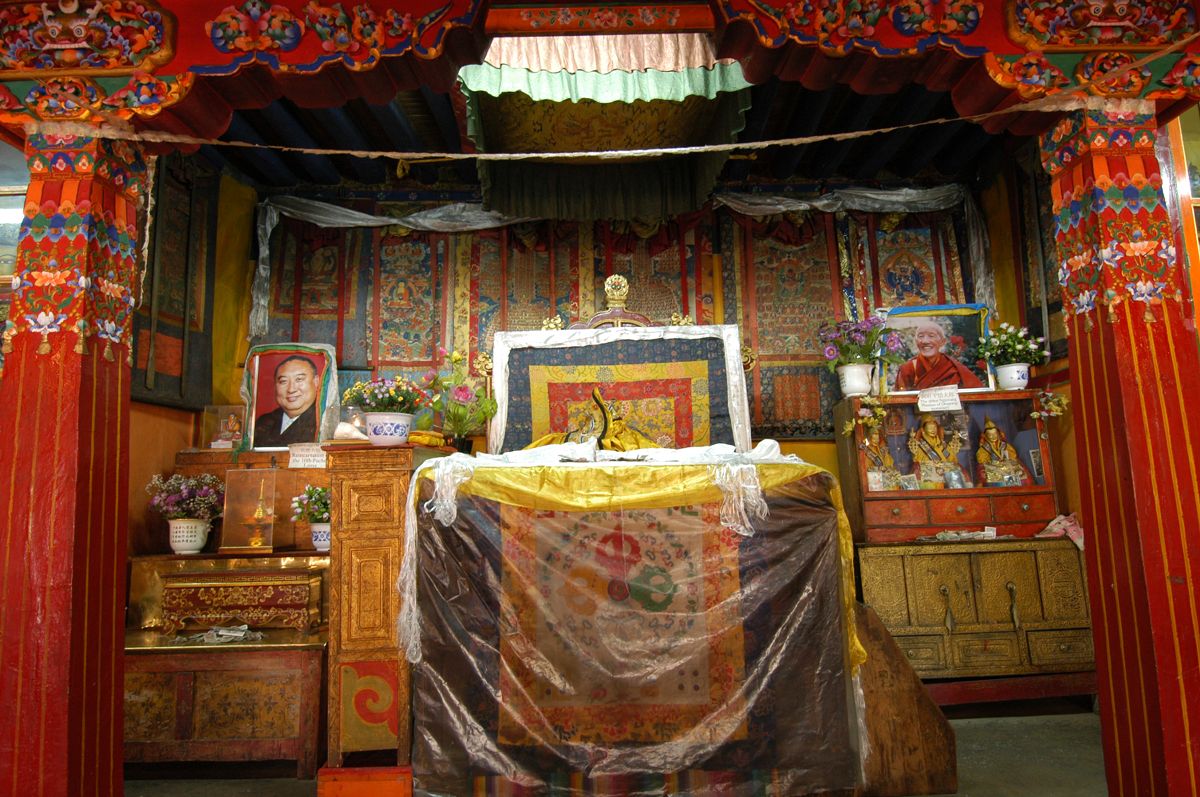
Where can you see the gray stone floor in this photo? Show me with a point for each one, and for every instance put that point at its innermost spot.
(1049, 756)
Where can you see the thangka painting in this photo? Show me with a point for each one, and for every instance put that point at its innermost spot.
(1042, 295)
(172, 327)
(316, 288)
(789, 285)
(775, 279)
(676, 390)
(906, 260)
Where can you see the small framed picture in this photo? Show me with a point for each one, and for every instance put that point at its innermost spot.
(941, 344)
(291, 395)
(909, 481)
(1035, 464)
(874, 480)
(249, 520)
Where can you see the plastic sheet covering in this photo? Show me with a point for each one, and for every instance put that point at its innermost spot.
(893, 200)
(595, 629)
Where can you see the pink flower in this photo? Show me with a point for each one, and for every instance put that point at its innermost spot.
(462, 394)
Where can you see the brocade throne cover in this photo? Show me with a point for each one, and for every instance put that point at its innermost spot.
(596, 629)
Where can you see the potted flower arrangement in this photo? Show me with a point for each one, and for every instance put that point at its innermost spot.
(312, 505)
(1011, 351)
(189, 503)
(388, 404)
(851, 349)
(464, 405)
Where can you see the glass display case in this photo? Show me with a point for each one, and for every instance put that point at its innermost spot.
(910, 473)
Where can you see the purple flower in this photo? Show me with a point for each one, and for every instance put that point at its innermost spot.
(831, 352)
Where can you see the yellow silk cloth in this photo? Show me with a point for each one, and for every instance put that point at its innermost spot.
(617, 486)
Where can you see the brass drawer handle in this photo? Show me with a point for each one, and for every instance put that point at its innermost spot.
(1012, 604)
(896, 511)
(1024, 507)
(1064, 647)
(960, 509)
(950, 623)
(912, 654)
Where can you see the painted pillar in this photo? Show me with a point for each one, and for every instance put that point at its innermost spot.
(1135, 378)
(64, 462)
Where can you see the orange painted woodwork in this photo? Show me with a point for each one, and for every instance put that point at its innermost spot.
(1135, 375)
(364, 782)
(64, 465)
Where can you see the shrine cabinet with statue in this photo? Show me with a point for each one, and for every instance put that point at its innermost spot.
(946, 507)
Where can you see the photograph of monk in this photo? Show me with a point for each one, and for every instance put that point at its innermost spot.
(286, 407)
(939, 349)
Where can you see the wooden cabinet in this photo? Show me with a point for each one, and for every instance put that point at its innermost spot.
(233, 702)
(881, 511)
(969, 609)
(369, 706)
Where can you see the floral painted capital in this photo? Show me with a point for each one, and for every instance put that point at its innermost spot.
(1112, 229)
(77, 247)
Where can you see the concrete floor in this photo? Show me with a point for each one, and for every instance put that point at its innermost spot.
(1055, 755)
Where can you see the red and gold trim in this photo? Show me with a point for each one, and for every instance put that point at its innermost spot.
(1137, 446)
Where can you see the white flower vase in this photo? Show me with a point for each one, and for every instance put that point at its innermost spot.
(320, 536)
(188, 535)
(388, 428)
(855, 379)
(1014, 376)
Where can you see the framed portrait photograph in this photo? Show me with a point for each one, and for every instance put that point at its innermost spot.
(940, 347)
(291, 395)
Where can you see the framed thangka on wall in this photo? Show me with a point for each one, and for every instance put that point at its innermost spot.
(172, 327)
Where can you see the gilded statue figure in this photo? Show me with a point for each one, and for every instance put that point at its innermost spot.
(879, 461)
(935, 456)
(997, 463)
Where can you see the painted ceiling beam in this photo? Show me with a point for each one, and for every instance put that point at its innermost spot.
(874, 154)
(807, 114)
(292, 133)
(828, 157)
(264, 161)
(341, 127)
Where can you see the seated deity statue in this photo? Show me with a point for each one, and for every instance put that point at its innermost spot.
(935, 457)
(881, 465)
(997, 463)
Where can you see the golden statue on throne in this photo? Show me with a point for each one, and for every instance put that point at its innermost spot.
(881, 465)
(935, 457)
(997, 462)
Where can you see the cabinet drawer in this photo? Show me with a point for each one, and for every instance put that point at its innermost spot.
(973, 651)
(1061, 647)
(1024, 508)
(923, 652)
(902, 513)
(960, 510)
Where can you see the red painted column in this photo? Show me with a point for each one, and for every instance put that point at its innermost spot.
(64, 470)
(1134, 370)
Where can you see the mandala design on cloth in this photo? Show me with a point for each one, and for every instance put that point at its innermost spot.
(610, 591)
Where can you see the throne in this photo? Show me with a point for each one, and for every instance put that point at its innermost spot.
(680, 385)
(651, 622)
